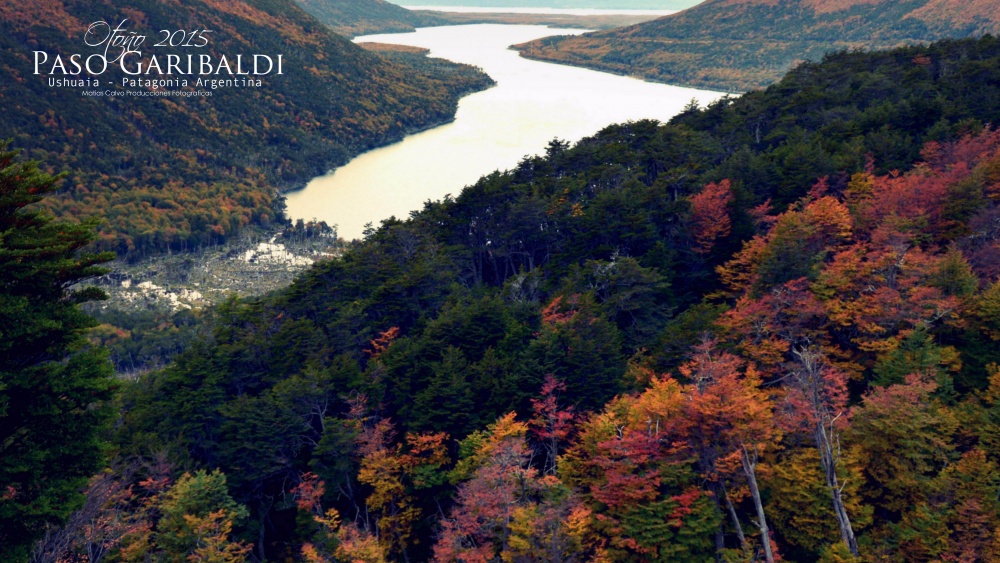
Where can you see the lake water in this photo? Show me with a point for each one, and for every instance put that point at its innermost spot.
(542, 11)
(532, 103)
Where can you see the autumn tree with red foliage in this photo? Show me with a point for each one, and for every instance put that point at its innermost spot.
(709, 215)
(731, 417)
(551, 424)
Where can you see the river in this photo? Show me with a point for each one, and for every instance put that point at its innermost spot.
(532, 103)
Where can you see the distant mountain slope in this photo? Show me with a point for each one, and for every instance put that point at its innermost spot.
(179, 172)
(362, 17)
(359, 17)
(745, 44)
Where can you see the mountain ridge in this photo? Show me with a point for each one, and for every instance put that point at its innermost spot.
(738, 45)
(361, 17)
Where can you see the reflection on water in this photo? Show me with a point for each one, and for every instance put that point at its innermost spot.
(532, 103)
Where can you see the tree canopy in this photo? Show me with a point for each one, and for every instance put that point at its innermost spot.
(54, 387)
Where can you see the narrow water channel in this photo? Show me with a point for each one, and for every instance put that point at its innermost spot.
(532, 103)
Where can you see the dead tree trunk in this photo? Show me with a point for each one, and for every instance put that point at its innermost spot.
(750, 470)
(811, 381)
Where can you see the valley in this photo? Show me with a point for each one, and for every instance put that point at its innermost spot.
(523, 311)
(532, 104)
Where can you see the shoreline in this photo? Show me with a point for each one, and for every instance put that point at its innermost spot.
(403, 133)
(717, 87)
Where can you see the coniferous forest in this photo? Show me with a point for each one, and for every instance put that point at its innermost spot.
(767, 330)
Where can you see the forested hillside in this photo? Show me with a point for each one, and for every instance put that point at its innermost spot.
(738, 45)
(360, 17)
(179, 172)
(766, 330)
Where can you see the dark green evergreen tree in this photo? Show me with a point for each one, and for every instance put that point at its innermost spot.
(447, 403)
(54, 388)
(580, 346)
